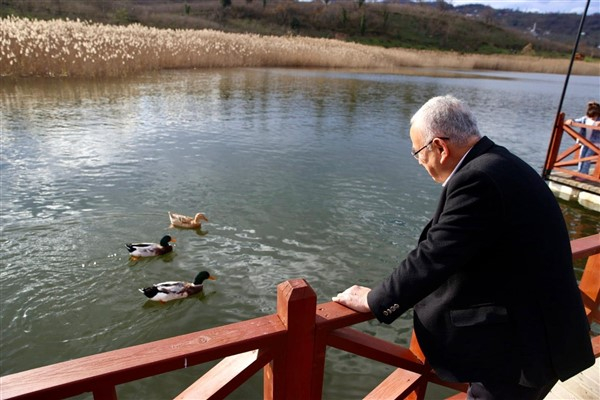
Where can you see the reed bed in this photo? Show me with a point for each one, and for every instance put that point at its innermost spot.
(61, 48)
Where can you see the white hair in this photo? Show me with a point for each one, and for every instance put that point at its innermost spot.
(446, 116)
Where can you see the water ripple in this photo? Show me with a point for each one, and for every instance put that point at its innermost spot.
(302, 174)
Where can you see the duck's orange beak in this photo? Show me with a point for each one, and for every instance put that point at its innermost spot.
(173, 240)
(212, 278)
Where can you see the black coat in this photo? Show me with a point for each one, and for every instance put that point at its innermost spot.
(491, 281)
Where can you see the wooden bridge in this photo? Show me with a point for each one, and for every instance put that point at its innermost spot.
(560, 167)
(289, 347)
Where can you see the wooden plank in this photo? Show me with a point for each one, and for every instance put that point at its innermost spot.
(596, 346)
(226, 376)
(415, 347)
(368, 346)
(333, 315)
(589, 185)
(589, 285)
(585, 385)
(559, 161)
(81, 375)
(585, 246)
(397, 385)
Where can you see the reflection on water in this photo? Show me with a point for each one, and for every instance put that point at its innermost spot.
(301, 174)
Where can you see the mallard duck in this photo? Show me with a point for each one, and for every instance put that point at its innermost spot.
(167, 291)
(137, 250)
(182, 221)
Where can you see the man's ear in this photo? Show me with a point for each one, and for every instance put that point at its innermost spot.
(442, 148)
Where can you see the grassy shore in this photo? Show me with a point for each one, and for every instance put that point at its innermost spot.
(59, 48)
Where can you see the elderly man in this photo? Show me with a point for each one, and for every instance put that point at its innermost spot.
(491, 280)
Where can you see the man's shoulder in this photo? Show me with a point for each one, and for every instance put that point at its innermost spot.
(502, 167)
(490, 154)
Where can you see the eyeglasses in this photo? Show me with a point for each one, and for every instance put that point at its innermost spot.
(416, 153)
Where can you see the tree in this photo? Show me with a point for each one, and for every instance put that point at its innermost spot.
(487, 15)
(363, 24)
(442, 5)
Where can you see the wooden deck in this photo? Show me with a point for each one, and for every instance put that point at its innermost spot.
(583, 386)
(567, 187)
(585, 185)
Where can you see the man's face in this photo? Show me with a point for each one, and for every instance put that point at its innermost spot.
(428, 157)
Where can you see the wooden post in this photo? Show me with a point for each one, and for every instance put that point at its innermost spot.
(415, 347)
(554, 145)
(318, 368)
(107, 392)
(597, 167)
(590, 287)
(288, 376)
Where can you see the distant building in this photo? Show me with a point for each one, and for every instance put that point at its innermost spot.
(533, 30)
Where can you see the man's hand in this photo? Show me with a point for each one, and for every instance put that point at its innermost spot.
(354, 297)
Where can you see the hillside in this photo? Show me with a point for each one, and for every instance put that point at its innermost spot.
(403, 23)
(555, 27)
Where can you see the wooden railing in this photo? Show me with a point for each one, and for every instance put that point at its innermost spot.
(289, 346)
(567, 160)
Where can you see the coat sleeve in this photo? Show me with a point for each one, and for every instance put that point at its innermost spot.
(459, 234)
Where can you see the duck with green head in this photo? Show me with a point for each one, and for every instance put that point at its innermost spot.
(172, 290)
(137, 250)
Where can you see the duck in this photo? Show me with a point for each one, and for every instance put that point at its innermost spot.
(183, 221)
(137, 250)
(172, 290)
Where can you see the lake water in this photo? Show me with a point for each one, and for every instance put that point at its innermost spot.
(301, 173)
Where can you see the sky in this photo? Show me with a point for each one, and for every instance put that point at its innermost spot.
(541, 6)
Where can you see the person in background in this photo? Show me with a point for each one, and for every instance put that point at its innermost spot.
(592, 118)
(491, 280)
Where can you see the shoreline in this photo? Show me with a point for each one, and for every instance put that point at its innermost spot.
(59, 48)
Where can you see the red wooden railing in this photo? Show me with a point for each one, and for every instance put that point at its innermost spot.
(289, 346)
(567, 160)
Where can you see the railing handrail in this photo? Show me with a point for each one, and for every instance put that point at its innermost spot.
(585, 246)
(143, 360)
(275, 336)
(555, 161)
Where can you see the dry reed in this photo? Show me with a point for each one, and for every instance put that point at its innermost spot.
(82, 49)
